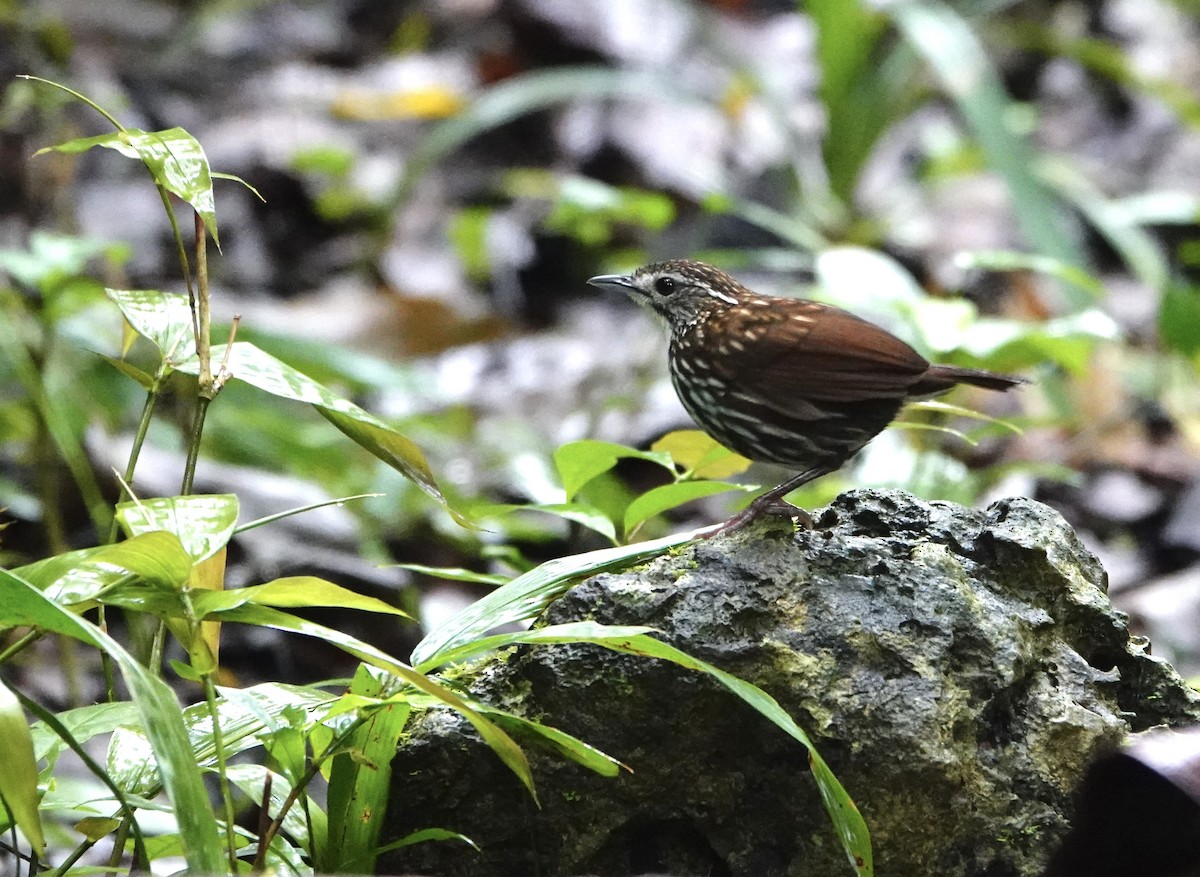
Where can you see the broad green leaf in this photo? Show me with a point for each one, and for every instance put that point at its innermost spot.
(157, 559)
(668, 496)
(19, 776)
(24, 605)
(291, 592)
(359, 786)
(579, 462)
(203, 523)
(528, 594)
(83, 723)
(863, 279)
(162, 318)
(174, 158)
(258, 368)
(96, 828)
(701, 455)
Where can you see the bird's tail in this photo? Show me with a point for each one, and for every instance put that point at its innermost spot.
(941, 378)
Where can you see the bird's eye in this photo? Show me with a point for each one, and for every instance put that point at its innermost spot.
(664, 285)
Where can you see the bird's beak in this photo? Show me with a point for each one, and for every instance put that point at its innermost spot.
(622, 282)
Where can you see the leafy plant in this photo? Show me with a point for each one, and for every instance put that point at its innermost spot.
(166, 575)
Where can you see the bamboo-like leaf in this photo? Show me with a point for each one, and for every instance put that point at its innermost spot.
(954, 53)
(202, 523)
(456, 574)
(162, 318)
(668, 496)
(359, 786)
(19, 776)
(174, 158)
(634, 640)
(581, 513)
(1011, 260)
(258, 368)
(529, 593)
(292, 592)
(500, 742)
(21, 604)
(156, 559)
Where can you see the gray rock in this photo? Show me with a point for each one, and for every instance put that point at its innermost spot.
(957, 668)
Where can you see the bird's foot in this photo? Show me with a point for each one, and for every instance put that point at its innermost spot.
(765, 505)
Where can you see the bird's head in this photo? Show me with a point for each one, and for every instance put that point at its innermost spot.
(679, 292)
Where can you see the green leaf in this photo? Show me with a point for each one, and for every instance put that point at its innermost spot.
(668, 496)
(258, 368)
(1179, 318)
(1139, 249)
(427, 834)
(24, 605)
(1068, 341)
(700, 454)
(163, 318)
(174, 158)
(558, 742)
(132, 371)
(581, 513)
(203, 523)
(851, 828)
(157, 559)
(501, 743)
(291, 592)
(251, 780)
(51, 259)
(961, 411)
(579, 462)
(861, 94)
(456, 574)
(359, 786)
(954, 53)
(528, 594)
(1011, 260)
(19, 778)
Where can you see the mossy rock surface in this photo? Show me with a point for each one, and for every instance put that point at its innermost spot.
(957, 668)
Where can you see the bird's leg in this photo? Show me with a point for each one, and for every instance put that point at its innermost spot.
(771, 503)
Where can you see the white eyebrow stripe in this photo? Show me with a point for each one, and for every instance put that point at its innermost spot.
(725, 298)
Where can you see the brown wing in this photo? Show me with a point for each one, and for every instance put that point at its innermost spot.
(815, 353)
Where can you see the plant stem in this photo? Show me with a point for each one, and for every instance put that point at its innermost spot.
(210, 694)
(21, 644)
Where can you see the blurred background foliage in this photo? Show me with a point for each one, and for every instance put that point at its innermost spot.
(1005, 184)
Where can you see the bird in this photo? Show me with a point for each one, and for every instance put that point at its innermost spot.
(780, 380)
